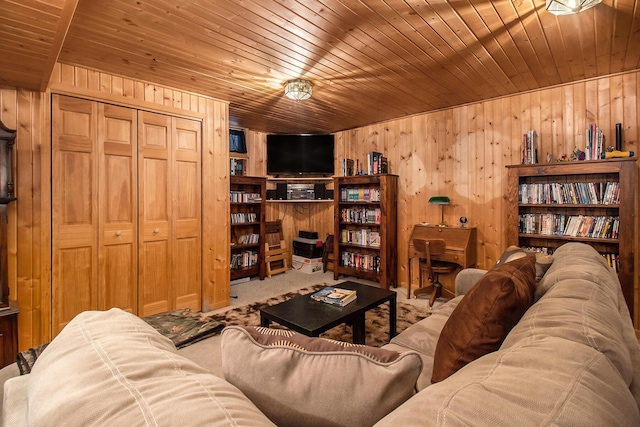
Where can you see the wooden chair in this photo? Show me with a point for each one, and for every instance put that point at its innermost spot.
(327, 253)
(432, 269)
(276, 255)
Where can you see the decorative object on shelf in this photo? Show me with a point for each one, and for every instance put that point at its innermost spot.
(440, 200)
(463, 221)
(568, 7)
(615, 153)
(298, 89)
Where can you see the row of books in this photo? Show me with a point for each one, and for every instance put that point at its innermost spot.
(360, 216)
(242, 197)
(595, 143)
(360, 194)
(350, 167)
(377, 163)
(335, 296)
(243, 217)
(613, 259)
(244, 259)
(595, 193)
(548, 224)
(363, 237)
(530, 148)
(236, 166)
(360, 261)
(248, 239)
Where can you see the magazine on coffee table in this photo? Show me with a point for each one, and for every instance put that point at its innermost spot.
(335, 296)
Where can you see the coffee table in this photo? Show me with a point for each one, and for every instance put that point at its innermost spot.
(309, 317)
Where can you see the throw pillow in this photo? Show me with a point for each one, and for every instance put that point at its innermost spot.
(543, 262)
(296, 379)
(485, 315)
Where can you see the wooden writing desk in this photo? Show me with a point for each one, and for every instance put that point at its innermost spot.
(461, 244)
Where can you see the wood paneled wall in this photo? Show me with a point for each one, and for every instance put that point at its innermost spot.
(462, 153)
(30, 216)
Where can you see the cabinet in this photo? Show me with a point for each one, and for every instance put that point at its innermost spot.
(587, 201)
(300, 190)
(365, 241)
(126, 210)
(247, 196)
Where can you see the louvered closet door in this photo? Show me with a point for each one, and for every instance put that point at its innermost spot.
(118, 260)
(74, 209)
(187, 214)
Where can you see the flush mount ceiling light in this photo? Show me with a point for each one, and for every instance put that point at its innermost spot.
(568, 7)
(298, 89)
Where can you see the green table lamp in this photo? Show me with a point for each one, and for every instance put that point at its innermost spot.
(440, 200)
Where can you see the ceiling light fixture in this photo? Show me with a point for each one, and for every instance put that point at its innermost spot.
(568, 7)
(298, 89)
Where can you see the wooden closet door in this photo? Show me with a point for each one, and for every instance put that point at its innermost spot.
(187, 214)
(74, 209)
(155, 161)
(118, 255)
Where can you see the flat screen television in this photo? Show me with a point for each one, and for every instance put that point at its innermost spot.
(300, 154)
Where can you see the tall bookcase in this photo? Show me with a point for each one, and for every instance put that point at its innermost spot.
(597, 197)
(247, 196)
(365, 241)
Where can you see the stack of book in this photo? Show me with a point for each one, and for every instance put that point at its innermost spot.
(530, 148)
(335, 296)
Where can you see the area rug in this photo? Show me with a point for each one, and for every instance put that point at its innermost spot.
(376, 319)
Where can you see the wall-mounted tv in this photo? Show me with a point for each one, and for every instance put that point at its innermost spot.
(300, 154)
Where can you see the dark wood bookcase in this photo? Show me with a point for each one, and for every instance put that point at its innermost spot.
(619, 248)
(365, 241)
(247, 200)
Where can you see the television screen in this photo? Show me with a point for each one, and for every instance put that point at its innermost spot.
(300, 154)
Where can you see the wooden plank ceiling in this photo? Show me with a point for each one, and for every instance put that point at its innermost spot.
(368, 60)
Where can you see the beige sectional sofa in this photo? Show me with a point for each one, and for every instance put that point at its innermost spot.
(573, 359)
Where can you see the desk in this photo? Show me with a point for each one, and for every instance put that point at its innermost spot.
(461, 245)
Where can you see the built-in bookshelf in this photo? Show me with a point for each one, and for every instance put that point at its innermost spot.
(585, 201)
(246, 197)
(365, 243)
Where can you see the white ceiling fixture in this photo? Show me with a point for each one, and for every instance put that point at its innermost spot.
(298, 89)
(568, 7)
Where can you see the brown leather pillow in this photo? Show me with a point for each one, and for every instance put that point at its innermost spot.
(485, 315)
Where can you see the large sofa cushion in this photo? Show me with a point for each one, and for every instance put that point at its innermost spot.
(543, 381)
(484, 316)
(581, 301)
(512, 253)
(112, 368)
(297, 380)
(423, 337)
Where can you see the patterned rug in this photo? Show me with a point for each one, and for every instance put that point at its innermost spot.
(376, 320)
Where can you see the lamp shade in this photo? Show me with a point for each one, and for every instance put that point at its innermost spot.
(298, 89)
(439, 200)
(568, 7)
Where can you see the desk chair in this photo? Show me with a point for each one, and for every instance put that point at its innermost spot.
(432, 269)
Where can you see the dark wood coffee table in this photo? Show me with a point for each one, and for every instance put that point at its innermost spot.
(309, 317)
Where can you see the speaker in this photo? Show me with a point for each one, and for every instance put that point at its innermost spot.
(271, 194)
(319, 191)
(281, 191)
